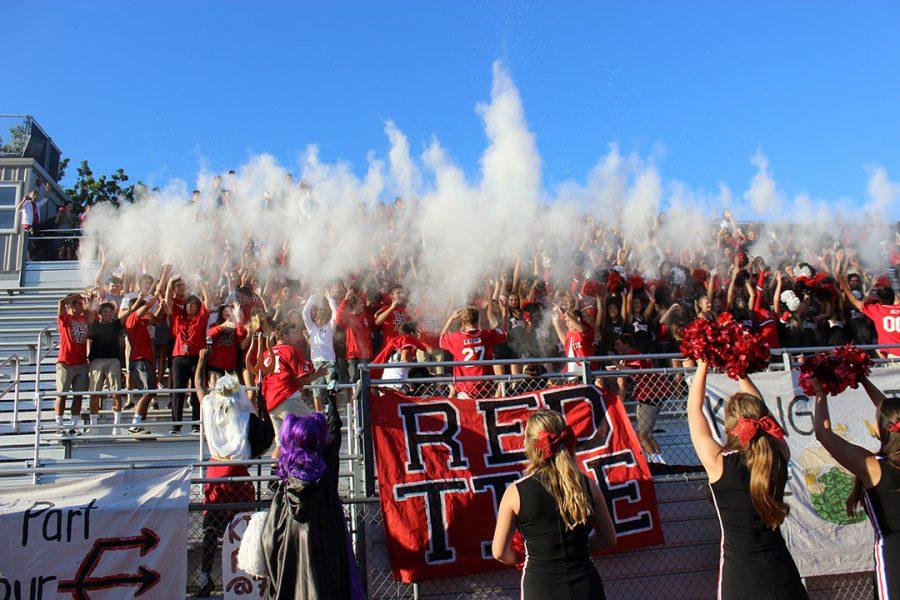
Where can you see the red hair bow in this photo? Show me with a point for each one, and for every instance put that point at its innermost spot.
(547, 441)
(746, 429)
(895, 427)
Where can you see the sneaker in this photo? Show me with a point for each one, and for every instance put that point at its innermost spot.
(116, 431)
(154, 404)
(205, 591)
(62, 432)
(76, 431)
(136, 429)
(658, 459)
(128, 405)
(175, 431)
(195, 429)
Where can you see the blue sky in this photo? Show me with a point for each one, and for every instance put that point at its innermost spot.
(159, 88)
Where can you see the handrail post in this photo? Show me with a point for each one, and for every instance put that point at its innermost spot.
(17, 374)
(786, 358)
(365, 449)
(585, 371)
(39, 396)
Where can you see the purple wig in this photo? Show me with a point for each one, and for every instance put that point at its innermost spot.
(302, 442)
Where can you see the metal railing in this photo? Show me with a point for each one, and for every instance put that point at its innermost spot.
(13, 385)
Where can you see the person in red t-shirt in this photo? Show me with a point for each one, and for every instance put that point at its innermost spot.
(189, 338)
(647, 402)
(885, 314)
(140, 361)
(471, 344)
(285, 371)
(353, 317)
(72, 320)
(765, 321)
(228, 336)
(392, 316)
(577, 338)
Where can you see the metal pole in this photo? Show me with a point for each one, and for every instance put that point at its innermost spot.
(364, 449)
(585, 371)
(37, 434)
(16, 395)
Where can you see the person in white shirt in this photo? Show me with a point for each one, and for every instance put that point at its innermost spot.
(320, 323)
(29, 210)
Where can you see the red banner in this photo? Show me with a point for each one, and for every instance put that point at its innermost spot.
(444, 463)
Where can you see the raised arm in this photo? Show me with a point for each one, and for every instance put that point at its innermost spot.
(454, 316)
(708, 449)
(557, 326)
(855, 459)
(875, 395)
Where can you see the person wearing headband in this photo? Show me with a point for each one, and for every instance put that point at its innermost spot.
(747, 477)
(877, 479)
(556, 508)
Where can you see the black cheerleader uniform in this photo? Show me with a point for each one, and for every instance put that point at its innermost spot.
(755, 562)
(557, 559)
(884, 513)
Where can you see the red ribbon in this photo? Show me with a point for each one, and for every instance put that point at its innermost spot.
(746, 429)
(895, 427)
(547, 442)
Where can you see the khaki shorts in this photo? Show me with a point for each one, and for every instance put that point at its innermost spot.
(71, 378)
(293, 404)
(105, 370)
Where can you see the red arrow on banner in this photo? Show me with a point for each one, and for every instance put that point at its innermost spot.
(145, 578)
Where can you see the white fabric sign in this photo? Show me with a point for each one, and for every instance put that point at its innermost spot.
(822, 538)
(237, 584)
(105, 537)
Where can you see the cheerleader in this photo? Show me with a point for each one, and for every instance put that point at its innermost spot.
(747, 479)
(877, 481)
(234, 431)
(556, 507)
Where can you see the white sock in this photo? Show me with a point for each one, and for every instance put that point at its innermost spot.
(59, 420)
(94, 419)
(136, 419)
(117, 418)
(204, 578)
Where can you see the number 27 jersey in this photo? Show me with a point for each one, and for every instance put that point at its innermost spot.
(472, 345)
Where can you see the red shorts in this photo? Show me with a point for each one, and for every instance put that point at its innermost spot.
(228, 492)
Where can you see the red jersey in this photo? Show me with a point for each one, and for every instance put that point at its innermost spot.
(766, 323)
(72, 340)
(473, 345)
(578, 344)
(225, 344)
(887, 323)
(189, 332)
(357, 331)
(139, 337)
(390, 328)
(282, 383)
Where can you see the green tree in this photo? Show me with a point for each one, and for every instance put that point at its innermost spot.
(15, 141)
(90, 189)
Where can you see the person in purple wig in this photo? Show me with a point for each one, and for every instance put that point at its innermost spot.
(305, 539)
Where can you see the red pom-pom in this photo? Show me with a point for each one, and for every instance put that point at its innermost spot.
(725, 344)
(636, 282)
(591, 288)
(802, 282)
(699, 276)
(835, 371)
(614, 282)
(518, 546)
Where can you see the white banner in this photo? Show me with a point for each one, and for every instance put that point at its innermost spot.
(236, 583)
(105, 537)
(822, 538)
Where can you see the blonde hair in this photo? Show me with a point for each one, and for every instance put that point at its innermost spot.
(559, 474)
(763, 459)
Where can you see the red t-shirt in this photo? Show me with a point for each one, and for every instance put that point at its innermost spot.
(139, 337)
(767, 324)
(579, 344)
(472, 345)
(189, 332)
(390, 328)
(225, 344)
(358, 331)
(642, 390)
(887, 323)
(72, 339)
(281, 383)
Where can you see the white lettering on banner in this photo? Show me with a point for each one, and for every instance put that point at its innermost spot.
(235, 582)
(822, 538)
(119, 535)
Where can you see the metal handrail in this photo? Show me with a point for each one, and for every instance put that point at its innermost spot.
(13, 385)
